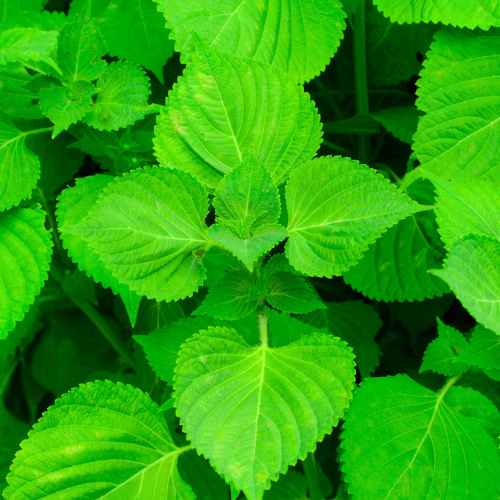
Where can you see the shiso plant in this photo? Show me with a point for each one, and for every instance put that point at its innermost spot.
(250, 249)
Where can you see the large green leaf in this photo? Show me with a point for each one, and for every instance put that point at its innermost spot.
(253, 411)
(402, 440)
(461, 13)
(441, 355)
(483, 350)
(222, 110)
(25, 252)
(465, 207)
(122, 99)
(472, 271)
(73, 205)
(80, 50)
(19, 167)
(28, 44)
(134, 30)
(459, 91)
(99, 440)
(396, 266)
(148, 228)
(357, 324)
(336, 209)
(298, 37)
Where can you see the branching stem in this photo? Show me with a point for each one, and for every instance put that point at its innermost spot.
(311, 471)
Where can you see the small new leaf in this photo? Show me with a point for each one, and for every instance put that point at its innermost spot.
(99, 430)
(441, 355)
(231, 297)
(253, 411)
(248, 249)
(122, 98)
(336, 209)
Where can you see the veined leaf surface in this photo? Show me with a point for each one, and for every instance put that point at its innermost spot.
(99, 440)
(298, 37)
(222, 110)
(336, 208)
(146, 228)
(402, 440)
(270, 406)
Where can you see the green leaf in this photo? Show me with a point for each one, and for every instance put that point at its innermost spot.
(402, 439)
(73, 205)
(456, 139)
(442, 353)
(122, 98)
(291, 293)
(253, 411)
(12, 432)
(462, 13)
(297, 37)
(336, 209)
(25, 254)
(291, 486)
(230, 298)
(28, 44)
(12, 11)
(392, 49)
(80, 50)
(19, 167)
(135, 30)
(472, 271)
(163, 345)
(357, 324)
(148, 228)
(65, 106)
(396, 266)
(217, 263)
(465, 208)
(246, 197)
(401, 122)
(248, 249)
(98, 440)
(483, 350)
(223, 110)
(474, 405)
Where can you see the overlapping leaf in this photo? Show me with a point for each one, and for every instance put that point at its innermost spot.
(298, 37)
(443, 353)
(253, 411)
(472, 271)
(459, 91)
(357, 324)
(336, 209)
(117, 423)
(401, 122)
(25, 252)
(483, 350)
(73, 205)
(223, 109)
(396, 266)
(122, 99)
(462, 13)
(148, 228)
(402, 439)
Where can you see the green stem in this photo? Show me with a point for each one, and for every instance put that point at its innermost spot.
(338, 149)
(51, 220)
(311, 471)
(7, 376)
(262, 316)
(446, 387)
(362, 103)
(36, 131)
(102, 325)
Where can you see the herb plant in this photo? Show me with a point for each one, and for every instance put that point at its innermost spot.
(250, 249)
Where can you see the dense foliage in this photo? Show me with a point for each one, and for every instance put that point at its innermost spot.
(250, 249)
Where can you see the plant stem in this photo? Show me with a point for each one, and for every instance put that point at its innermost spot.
(446, 387)
(7, 376)
(262, 316)
(362, 103)
(36, 131)
(51, 220)
(311, 471)
(338, 149)
(102, 325)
